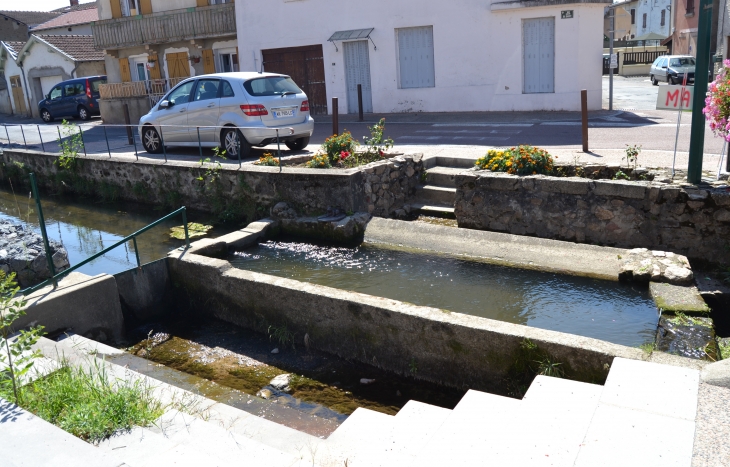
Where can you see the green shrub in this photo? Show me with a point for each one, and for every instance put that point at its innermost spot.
(319, 161)
(335, 145)
(520, 160)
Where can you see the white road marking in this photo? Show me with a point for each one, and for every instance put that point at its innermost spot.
(485, 124)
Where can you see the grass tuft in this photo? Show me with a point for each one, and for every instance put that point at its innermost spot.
(88, 404)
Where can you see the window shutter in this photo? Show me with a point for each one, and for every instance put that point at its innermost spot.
(124, 70)
(116, 8)
(177, 65)
(415, 56)
(208, 61)
(155, 70)
(145, 7)
(202, 2)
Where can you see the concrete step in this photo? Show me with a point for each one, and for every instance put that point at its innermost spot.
(436, 194)
(140, 447)
(443, 176)
(645, 416)
(220, 415)
(218, 443)
(560, 412)
(30, 441)
(479, 431)
(434, 210)
(362, 440)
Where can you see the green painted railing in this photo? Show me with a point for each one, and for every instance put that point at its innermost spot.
(56, 277)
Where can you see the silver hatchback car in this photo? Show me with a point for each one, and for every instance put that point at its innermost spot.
(229, 110)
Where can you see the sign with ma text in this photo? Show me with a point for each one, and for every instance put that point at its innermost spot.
(675, 97)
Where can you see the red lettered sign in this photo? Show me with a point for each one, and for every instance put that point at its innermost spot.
(674, 97)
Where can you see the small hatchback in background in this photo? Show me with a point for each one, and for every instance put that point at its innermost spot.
(233, 111)
(73, 98)
(672, 68)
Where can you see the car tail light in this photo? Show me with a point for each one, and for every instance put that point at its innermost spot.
(255, 110)
(88, 89)
(305, 106)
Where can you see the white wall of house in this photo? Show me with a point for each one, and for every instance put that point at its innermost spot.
(43, 65)
(478, 53)
(653, 11)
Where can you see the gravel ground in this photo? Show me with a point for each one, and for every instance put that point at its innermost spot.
(712, 431)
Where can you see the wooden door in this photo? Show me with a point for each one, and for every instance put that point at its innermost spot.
(18, 96)
(177, 65)
(305, 65)
(208, 61)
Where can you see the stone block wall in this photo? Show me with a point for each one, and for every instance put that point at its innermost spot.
(388, 184)
(683, 219)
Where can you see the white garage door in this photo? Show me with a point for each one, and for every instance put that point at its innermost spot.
(47, 82)
(538, 46)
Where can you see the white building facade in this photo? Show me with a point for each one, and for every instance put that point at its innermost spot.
(413, 56)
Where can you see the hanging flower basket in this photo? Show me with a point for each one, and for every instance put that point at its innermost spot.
(717, 103)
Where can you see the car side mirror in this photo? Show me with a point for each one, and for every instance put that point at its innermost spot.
(48, 96)
(664, 67)
(165, 104)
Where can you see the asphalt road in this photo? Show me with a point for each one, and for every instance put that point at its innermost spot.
(469, 134)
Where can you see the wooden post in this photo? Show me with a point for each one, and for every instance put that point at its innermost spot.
(130, 136)
(335, 117)
(359, 101)
(584, 117)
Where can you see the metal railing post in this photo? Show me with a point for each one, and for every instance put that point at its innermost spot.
(7, 134)
(278, 148)
(83, 144)
(185, 226)
(162, 142)
(134, 141)
(49, 257)
(25, 143)
(200, 147)
(107, 142)
(60, 139)
(136, 251)
(238, 146)
(43, 147)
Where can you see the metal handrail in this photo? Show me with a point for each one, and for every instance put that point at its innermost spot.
(53, 280)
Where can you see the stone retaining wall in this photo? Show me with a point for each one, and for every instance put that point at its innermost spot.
(682, 219)
(240, 194)
(22, 252)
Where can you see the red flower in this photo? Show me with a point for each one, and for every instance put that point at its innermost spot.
(344, 155)
(382, 154)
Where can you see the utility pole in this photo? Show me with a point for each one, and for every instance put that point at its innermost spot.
(697, 136)
(610, 59)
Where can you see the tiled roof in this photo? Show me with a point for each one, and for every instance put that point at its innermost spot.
(14, 46)
(70, 19)
(80, 48)
(31, 18)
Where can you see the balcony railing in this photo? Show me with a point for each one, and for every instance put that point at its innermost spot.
(166, 26)
(154, 89)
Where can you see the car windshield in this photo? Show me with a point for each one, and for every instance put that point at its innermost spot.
(271, 86)
(684, 61)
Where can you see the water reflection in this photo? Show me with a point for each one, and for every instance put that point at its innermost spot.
(601, 309)
(85, 228)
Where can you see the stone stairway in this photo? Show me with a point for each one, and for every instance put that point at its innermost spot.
(643, 415)
(436, 197)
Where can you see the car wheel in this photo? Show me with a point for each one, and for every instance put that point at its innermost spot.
(670, 81)
(232, 141)
(151, 140)
(46, 116)
(297, 144)
(83, 113)
(653, 80)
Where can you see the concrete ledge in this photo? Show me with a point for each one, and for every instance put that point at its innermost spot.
(85, 305)
(500, 248)
(144, 293)
(672, 299)
(448, 348)
(620, 189)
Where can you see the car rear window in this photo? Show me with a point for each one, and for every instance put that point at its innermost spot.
(271, 86)
(685, 61)
(95, 84)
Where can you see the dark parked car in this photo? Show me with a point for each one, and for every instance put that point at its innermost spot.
(73, 98)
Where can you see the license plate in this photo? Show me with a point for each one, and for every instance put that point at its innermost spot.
(283, 113)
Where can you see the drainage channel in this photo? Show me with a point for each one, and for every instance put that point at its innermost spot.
(322, 389)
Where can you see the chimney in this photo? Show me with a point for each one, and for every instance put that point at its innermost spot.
(74, 2)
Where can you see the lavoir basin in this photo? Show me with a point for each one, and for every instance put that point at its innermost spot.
(619, 313)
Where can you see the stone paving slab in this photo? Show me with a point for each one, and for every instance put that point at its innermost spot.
(672, 299)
